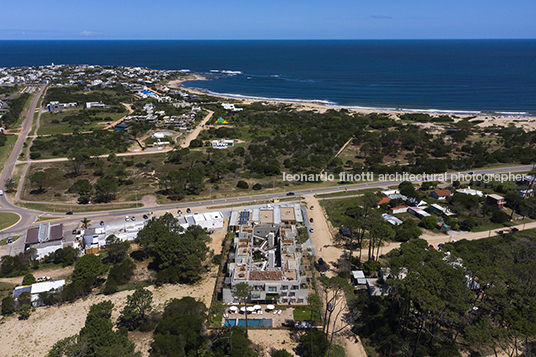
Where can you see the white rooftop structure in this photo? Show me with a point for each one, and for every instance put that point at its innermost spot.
(37, 288)
(469, 191)
(208, 220)
(232, 107)
(391, 219)
(359, 277)
(388, 193)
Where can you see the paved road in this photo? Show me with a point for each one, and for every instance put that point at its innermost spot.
(27, 216)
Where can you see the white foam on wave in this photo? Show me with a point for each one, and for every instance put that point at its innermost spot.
(335, 104)
(241, 96)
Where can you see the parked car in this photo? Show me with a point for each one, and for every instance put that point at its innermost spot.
(74, 231)
(127, 219)
(133, 219)
(311, 230)
(312, 207)
(179, 212)
(311, 220)
(188, 210)
(102, 223)
(145, 216)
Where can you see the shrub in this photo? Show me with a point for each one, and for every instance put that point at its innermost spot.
(8, 305)
(257, 187)
(499, 216)
(29, 279)
(429, 222)
(242, 184)
(110, 287)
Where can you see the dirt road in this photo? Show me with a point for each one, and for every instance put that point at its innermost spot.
(193, 135)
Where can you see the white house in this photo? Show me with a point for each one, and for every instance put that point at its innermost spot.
(222, 144)
(91, 105)
(469, 191)
(37, 288)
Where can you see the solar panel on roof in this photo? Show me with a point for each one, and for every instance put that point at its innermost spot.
(244, 217)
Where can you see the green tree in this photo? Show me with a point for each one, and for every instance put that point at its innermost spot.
(320, 347)
(155, 228)
(429, 222)
(81, 187)
(105, 189)
(180, 256)
(242, 184)
(181, 330)
(87, 269)
(24, 312)
(315, 307)
(25, 298)
(499, 216)
(282, 352)
(29, 279)
(116, 250)
(242, 292)
(8, 305)
(137, 308)
(39, 179)
(9, 185)
(77, 159)
(85, 223)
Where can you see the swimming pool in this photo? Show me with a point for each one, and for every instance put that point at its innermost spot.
(251, 322)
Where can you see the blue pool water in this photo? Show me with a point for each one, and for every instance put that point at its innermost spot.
(251, 322)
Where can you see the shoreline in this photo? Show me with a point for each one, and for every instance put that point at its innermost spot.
(324, 105)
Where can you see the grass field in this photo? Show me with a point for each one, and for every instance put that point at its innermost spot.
(4, 241)
(6, 289)
(336, 208)
(47, 127)
(8, 219)
(6, 149)
(76, 208)
(348, 193)
(303, 313)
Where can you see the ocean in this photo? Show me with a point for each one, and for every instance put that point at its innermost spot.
(439, 75)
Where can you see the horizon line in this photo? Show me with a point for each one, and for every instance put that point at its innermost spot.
(275, 39)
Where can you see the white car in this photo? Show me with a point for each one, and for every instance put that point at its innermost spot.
(127, 218)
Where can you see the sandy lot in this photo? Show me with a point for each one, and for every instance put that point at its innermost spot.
(47, 325)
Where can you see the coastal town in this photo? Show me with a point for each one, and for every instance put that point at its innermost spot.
(161, 212)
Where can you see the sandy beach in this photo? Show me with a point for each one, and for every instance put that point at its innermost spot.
(528, 123)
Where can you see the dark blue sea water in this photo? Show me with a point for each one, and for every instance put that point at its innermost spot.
(452, 75)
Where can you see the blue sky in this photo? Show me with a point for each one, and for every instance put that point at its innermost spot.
(261, 19)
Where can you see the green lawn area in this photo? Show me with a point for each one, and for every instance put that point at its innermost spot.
(8, 219)
(6, 289)
(59, 127)
(348, 193)
(6, 149)
(336, 209)
(77, 208)
(303, 313)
